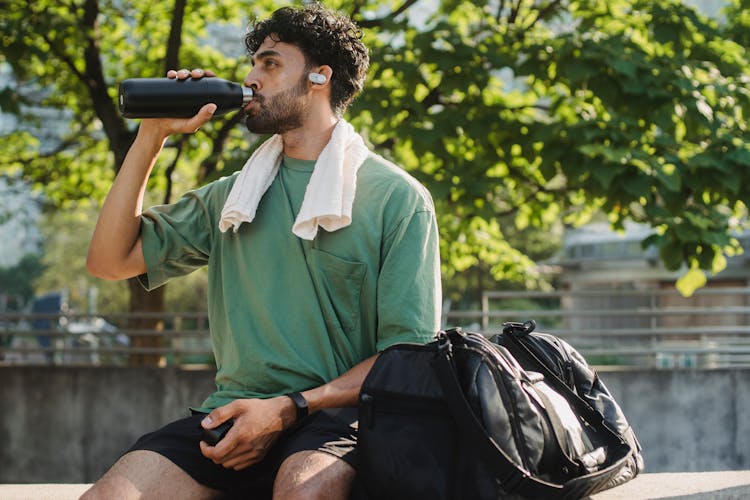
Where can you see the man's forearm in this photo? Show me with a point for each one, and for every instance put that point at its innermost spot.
(115, 251)
(342, 391)
(274, 415)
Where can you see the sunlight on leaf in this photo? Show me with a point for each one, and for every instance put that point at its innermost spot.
(689, 282)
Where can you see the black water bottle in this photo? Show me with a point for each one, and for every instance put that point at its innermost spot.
(173, 98)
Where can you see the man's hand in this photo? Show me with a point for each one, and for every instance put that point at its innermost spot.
(258, 423)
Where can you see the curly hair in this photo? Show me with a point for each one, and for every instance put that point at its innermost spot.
(324, 37)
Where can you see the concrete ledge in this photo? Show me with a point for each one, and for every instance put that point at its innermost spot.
(720, 485)
(42, 491)
(723, 485)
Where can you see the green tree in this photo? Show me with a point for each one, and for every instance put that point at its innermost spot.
(530, 114)
(69, 57)
(551, 110)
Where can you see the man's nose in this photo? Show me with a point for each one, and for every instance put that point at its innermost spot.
(251, 82)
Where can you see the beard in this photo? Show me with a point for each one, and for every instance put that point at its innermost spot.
(280, 114)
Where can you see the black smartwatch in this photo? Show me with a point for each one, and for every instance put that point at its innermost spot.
(300, 402)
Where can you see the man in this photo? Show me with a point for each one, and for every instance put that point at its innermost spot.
(303, 292)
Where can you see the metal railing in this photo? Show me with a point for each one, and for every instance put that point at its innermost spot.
(640, 328)
(113, 340)
(634, 327)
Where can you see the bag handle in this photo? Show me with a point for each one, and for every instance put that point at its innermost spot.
(518, 480)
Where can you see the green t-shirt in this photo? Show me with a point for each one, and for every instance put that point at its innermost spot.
(288, 314)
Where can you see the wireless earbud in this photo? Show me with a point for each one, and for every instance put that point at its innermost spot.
(317, 78)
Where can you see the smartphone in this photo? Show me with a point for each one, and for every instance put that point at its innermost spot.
(213, 436)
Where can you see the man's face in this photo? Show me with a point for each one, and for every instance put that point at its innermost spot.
(280, 84)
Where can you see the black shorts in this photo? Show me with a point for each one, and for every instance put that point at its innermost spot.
(332, 431)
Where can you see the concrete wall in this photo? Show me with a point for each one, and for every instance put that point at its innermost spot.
(68, 425)
(687, 420)
(64, 424)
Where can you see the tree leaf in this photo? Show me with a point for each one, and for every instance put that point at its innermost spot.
(689, 282)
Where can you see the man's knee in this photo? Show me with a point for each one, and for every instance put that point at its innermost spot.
(102, 490)
(118, 481)
(313, 475)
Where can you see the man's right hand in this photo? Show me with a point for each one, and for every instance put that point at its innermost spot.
(258, 423)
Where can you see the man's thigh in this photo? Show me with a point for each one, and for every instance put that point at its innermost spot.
(175, 449)
(318, 460)
(145, 474)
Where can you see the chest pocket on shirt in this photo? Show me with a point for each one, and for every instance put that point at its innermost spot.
(339, 285)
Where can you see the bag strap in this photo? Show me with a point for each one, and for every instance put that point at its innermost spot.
(517, 480)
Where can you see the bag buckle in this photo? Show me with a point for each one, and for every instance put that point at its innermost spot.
(521, 329)
(444, 345)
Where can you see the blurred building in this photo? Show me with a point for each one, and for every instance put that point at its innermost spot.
(612, 284)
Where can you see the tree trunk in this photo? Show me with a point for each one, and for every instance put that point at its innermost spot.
(142, 301)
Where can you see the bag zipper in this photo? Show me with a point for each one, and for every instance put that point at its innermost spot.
(564, 356)
(397, 403)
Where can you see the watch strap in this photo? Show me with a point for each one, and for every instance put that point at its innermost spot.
(300, 402)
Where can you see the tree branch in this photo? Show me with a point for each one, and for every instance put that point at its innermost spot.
(514, 11)
(542, 13)
(63, 57)
(171, 168)
(536, 189)
(432, 98)
(73, 140)
(356, 8)
(372, 23)
(93, 78)
(500, 9)
(174, 42)
(210, 164)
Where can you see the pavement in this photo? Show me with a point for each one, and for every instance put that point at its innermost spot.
(720, 485)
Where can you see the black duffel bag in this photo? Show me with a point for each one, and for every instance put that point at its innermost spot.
(465, 417)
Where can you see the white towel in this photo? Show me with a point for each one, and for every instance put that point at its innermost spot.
(329, 195)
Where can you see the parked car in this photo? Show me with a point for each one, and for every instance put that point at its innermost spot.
(63, 338)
